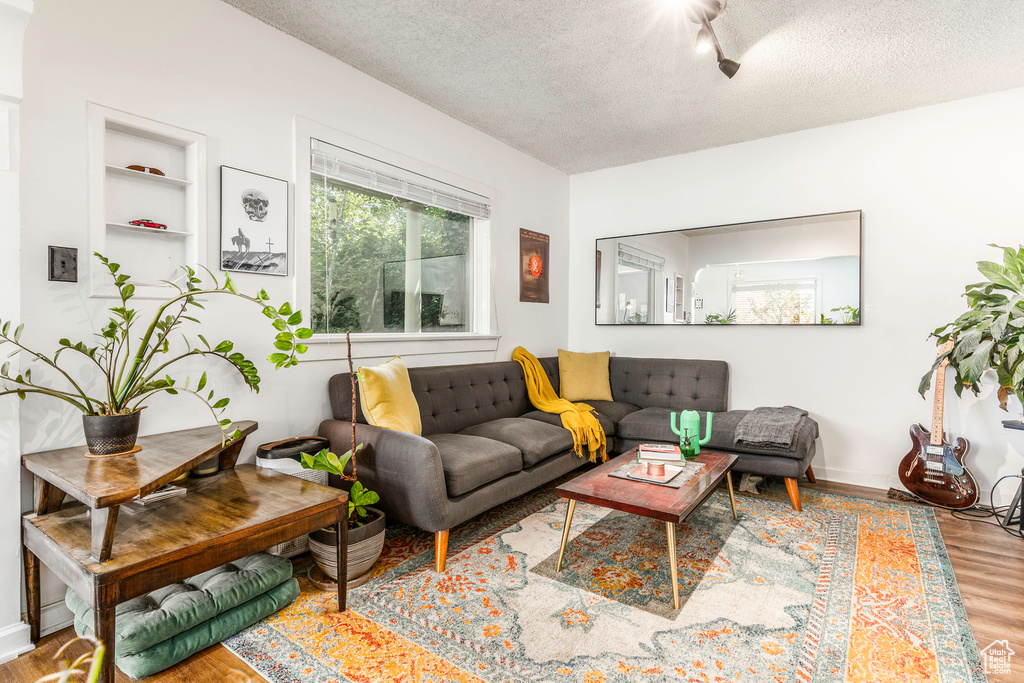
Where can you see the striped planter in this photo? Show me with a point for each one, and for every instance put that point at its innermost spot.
(365, 544)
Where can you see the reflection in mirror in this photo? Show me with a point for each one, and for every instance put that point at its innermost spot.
(791, 271)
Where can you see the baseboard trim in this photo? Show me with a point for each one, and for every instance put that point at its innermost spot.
(55, 617)
(14, 640)
(885, 482)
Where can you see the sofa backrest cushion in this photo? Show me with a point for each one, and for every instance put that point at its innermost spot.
(454, 397)
(671, 383)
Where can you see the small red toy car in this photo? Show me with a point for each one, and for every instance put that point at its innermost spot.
(146, 223)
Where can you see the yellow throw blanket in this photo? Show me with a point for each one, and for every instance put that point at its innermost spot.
(578, 418)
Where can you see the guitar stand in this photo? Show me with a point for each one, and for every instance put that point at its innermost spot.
(1015, 513)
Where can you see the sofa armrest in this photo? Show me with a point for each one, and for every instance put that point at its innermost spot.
(404, 469)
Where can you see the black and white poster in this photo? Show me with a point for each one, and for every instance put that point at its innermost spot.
(253, 222)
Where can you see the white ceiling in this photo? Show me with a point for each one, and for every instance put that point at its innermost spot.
(584, 85)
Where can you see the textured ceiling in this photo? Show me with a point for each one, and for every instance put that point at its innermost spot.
(589, 85)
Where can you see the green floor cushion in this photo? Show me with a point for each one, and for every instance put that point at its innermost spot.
(154, 618)
(184, 645)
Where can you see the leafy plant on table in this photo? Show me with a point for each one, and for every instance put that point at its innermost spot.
(990, 334)
(721, 318)
(133, 370)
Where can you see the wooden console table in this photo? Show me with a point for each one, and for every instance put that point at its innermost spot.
(222, 518)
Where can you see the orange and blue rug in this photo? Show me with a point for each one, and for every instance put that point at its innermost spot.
(848, 590)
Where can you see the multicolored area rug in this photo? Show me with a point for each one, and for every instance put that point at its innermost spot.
(848, 590)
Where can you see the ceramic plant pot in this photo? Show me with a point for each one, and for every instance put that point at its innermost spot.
(365, 544)
(111, 434)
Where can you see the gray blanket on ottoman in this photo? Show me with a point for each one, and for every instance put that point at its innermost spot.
(770, 427)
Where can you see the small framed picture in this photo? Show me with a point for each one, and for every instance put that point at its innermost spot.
(253, 222)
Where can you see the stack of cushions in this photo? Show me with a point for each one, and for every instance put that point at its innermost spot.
(156, 631)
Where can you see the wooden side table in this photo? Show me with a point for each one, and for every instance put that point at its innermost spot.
(234, 514)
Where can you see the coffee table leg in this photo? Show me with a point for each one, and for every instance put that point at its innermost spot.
(732, 496)
(565, 534)
(670, 531)
(342, 528)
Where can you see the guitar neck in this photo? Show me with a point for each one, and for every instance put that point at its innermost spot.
(938, 404)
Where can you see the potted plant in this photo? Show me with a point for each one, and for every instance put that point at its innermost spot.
(365, 523)
(990, 334)
(134, 370)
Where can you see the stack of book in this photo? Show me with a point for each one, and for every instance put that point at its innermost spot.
(659, 452)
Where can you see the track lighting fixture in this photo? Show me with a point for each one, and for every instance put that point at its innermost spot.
(703, 12)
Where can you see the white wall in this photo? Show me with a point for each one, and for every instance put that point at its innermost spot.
(205, 66)
(14, 15)
(936, 185)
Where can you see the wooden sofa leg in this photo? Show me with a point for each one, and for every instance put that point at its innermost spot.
(440, 550)
(794, 493)
(810, 475)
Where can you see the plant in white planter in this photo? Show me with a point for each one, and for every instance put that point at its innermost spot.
(365, 524)
(133, 370)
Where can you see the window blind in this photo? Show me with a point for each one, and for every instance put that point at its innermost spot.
(630, 256)
(355, 169)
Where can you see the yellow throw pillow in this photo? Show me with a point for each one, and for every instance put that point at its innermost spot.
(584, 376)
(386, 398)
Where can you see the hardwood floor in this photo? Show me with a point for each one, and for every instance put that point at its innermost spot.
(989, 567)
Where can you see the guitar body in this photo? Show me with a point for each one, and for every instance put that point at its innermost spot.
(936, 472)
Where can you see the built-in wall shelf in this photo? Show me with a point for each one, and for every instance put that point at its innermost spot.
(156, 232)
(119, 195)
(149, 177)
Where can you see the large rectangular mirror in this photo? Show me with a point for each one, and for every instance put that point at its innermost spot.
(789, 271)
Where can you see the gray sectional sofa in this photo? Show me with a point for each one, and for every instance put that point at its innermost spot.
(484, 443)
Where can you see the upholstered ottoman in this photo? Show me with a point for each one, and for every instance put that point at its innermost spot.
(160, 629)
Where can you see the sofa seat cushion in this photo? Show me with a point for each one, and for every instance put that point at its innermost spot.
(469, 462)
(613, 410)
(653, 424)
(535, 440)
(553, 419)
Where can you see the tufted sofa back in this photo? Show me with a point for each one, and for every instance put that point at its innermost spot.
(454, 397)
(671, 383)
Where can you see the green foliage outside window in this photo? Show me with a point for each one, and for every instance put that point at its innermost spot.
(354, 234)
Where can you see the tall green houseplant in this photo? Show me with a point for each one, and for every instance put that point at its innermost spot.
(134, 368)
(990, 334)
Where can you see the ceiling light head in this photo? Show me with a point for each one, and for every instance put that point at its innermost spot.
(728, 67)
(703, 11)
(705, 40)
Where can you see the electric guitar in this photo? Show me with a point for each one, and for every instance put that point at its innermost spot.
(934, 469)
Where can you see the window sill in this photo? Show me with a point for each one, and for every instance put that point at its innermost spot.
(331, 347)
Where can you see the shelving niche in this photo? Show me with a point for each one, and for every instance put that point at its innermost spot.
(118, 195)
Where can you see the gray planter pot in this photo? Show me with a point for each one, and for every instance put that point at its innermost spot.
(111, 434)
(365, 545)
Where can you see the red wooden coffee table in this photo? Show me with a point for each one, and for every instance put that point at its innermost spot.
(669, 505)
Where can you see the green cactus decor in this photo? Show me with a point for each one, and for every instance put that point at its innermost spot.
(688, 431)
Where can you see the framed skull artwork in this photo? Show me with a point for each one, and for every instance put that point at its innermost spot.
(253, 222)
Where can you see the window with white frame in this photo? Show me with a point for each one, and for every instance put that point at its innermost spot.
(779, 302)
(391, 251)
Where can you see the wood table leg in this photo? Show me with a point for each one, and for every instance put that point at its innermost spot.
(103, 627)
(342, 527)
(48, 498)
(670, 531)
(732, 496)
(565, 534)
(32, 592)
(104, 521)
